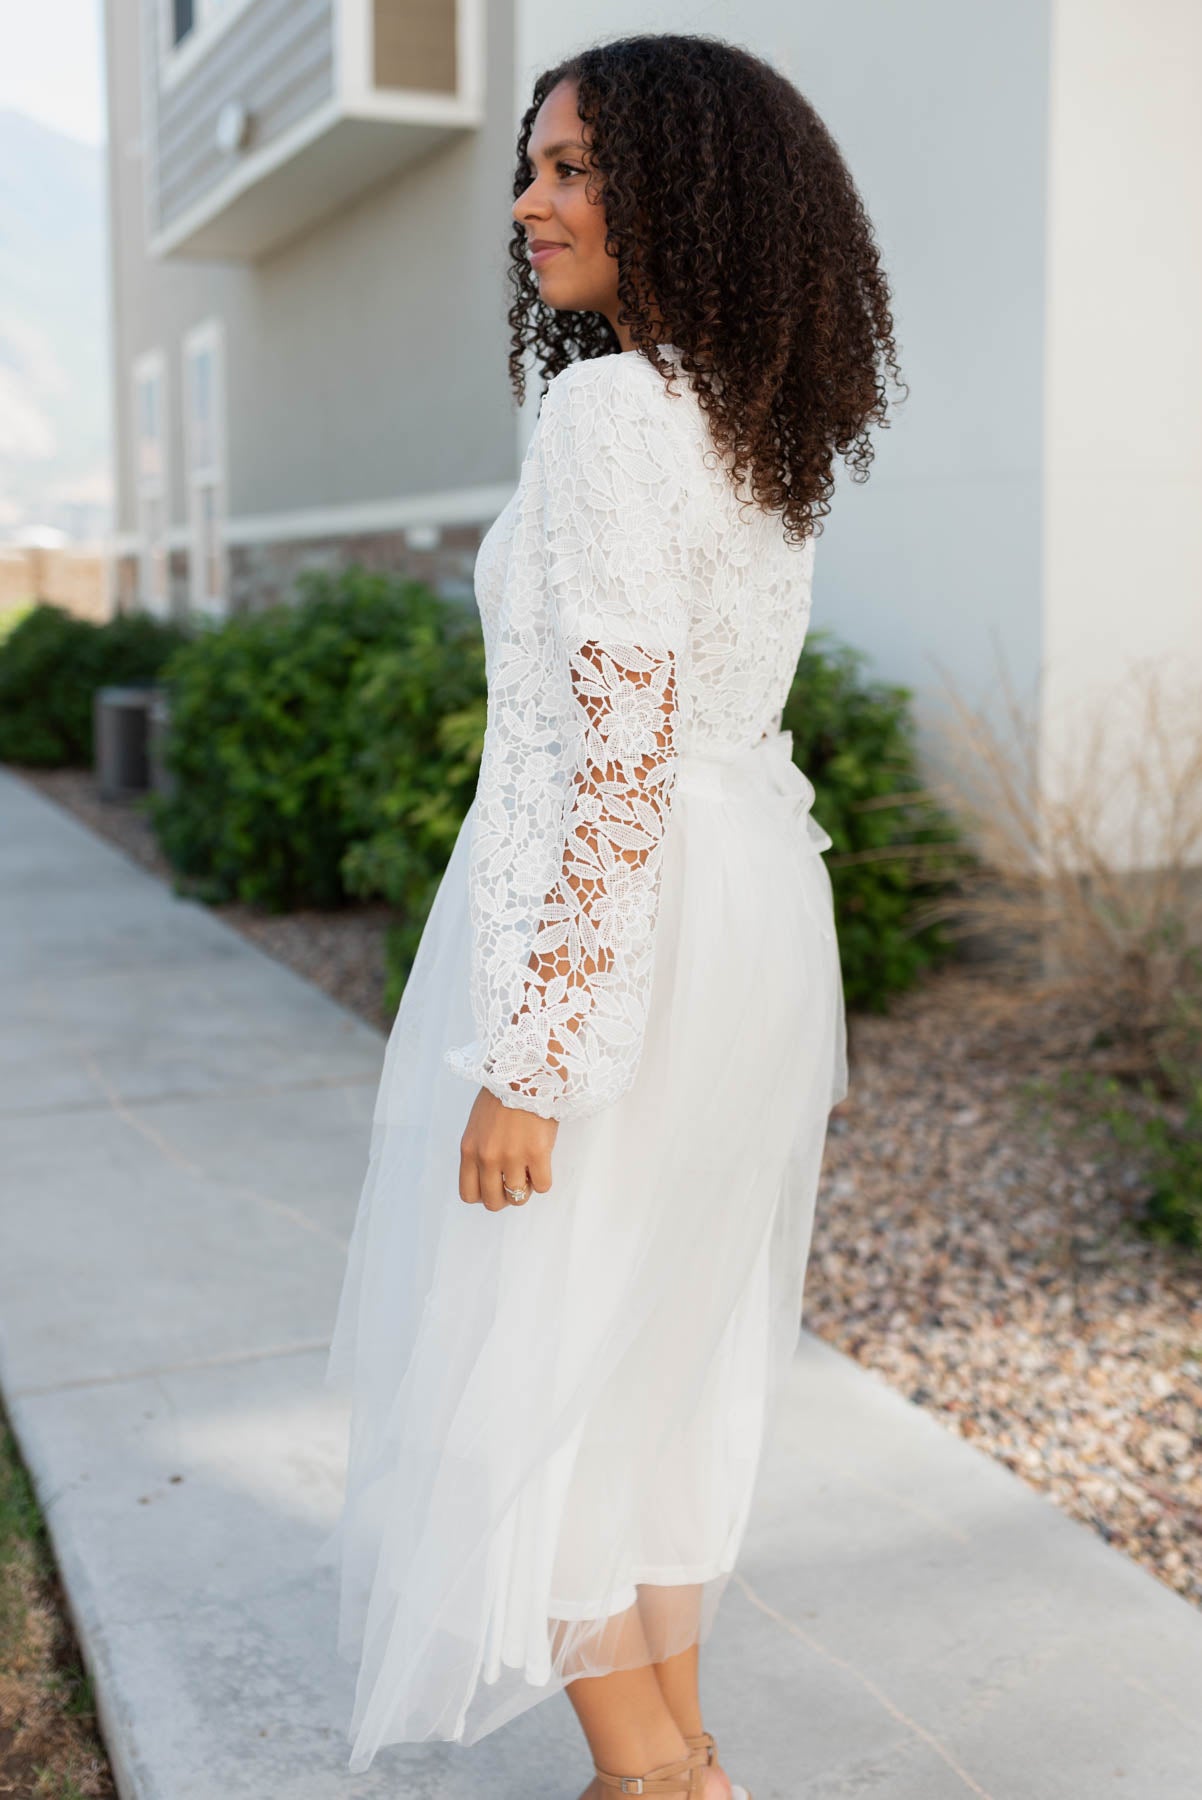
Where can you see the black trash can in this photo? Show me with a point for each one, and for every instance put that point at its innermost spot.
(121, 740)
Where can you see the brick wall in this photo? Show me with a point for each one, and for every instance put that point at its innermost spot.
(261, 575)
(70, 577)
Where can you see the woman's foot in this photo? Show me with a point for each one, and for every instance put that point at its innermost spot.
(717, 1787)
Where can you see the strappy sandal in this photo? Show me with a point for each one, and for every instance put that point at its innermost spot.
(704, 1741)
(684, 1777)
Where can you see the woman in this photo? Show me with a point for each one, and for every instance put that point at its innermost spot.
(562, 1375)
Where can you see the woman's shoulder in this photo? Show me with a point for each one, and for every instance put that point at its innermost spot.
(622, 386)
(616, 367)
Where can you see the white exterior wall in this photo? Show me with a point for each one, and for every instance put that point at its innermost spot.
(1122, 573)
(941, 112)
(1034, 174)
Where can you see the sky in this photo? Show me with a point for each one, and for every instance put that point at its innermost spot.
(51, 64)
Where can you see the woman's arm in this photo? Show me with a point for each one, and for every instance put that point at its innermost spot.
(600, 698)
(607, 893)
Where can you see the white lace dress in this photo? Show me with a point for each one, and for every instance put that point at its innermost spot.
(558, 1409)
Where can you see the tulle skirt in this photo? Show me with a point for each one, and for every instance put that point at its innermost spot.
(558, 1409)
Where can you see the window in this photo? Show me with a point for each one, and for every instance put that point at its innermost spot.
(183, 17)
(150, 451)
(204, 436)
(187, 28)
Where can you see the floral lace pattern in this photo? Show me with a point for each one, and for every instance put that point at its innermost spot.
(591, 962)
(631, 609)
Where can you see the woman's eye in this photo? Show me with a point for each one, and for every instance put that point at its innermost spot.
(560, 168)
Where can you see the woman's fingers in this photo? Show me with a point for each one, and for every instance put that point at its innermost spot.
(538, 1164)
(519, 1183)
(491, 1191)
(480, 1178)
(492, 1178)
(504, 1145)
(469, 1179)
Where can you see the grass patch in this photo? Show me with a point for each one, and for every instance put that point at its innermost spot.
(11, 616)
(50, 1746)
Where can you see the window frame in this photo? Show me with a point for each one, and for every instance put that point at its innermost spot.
(208, 478)
(211, 19)
(154, 489)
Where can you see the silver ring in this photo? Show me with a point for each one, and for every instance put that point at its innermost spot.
(517, 1196)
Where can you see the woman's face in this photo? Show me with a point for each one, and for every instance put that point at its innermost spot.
(574, 273)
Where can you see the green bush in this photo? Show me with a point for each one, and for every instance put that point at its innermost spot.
(419, 718)
(853, 738)
(1170, 1149)
(1161, 1132)
(1153, 1110)
(51, 664)
(893, 850)
(330, 749)
(270, 757)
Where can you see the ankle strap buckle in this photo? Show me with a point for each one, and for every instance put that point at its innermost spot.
(632, 1784)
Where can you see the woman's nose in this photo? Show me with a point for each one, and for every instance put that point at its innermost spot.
(528, 202)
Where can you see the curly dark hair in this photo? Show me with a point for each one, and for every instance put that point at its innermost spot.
(731, 211)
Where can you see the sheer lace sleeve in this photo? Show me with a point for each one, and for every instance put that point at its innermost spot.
(579, 764)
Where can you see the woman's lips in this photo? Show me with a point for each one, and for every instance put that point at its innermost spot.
(544, 254)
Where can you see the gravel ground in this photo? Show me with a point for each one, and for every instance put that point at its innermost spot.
(990, 1270)
(984, 1264)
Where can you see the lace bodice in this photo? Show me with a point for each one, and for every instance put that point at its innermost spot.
(635, 609)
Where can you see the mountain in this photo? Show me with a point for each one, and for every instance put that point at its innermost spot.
(54, 310)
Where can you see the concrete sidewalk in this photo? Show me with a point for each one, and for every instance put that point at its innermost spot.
(184, 1131)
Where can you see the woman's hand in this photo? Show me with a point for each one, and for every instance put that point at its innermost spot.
(506, 1142)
